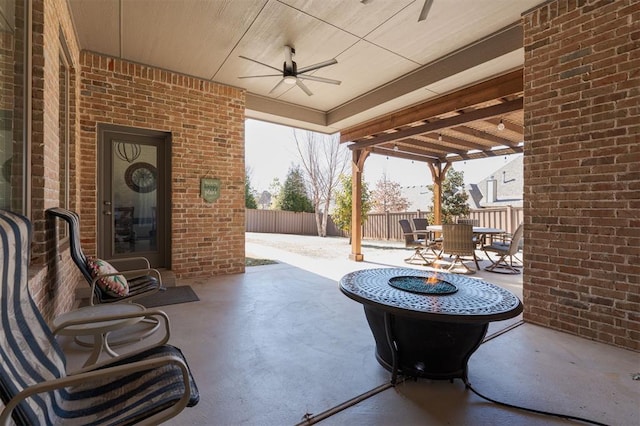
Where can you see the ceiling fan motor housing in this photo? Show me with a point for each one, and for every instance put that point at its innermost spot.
(289, 72)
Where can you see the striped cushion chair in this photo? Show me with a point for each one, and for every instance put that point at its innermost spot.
(150, 386)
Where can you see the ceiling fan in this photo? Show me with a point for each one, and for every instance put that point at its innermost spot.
(291, 74)
(423, 13)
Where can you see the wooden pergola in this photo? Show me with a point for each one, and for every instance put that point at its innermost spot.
(483, 120)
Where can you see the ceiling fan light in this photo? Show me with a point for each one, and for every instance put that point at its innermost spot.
(289, 79)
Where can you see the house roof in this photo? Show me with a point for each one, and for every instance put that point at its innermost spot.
(509, 184)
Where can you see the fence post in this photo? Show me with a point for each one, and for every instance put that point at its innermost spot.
(510, 219)
(388, 218)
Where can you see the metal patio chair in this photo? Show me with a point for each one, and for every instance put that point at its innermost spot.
(140, 281)
(418, 244)
(147, 387)
(435, 243)
(504, 249)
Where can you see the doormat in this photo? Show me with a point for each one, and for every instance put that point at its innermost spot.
(170, 296)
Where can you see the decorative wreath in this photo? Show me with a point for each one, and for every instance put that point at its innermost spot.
(141, 177)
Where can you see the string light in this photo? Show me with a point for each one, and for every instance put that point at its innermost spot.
(395, 147)
(440, 137)
(501, 125)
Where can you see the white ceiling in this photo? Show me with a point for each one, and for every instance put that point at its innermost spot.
(387, 60)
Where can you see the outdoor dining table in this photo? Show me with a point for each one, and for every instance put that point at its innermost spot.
(478, 230)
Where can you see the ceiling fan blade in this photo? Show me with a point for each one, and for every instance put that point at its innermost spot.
(280, 83)
(425, 10)
(319, 79)
(318, 66)
(288, 57)
(304, 88)
(265, 75)
(263, 64)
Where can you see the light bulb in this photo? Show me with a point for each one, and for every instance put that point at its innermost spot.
(440, 137)
(501, 125)
(395, 147)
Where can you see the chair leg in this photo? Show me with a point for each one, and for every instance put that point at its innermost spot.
(501, 266)
(458, 261)
(418, 255)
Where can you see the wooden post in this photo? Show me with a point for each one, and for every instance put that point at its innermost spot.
(438, 173)
(357, 166)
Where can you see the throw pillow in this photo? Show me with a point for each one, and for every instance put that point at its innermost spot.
(114, 285)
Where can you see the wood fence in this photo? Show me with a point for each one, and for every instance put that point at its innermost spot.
(378, 226)
(283, 222)
(385, 226)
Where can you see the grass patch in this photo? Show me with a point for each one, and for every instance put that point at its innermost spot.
(250, 261)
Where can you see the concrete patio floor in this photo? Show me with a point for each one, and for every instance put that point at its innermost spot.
(281, 342)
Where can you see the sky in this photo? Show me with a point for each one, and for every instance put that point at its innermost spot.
(270, 150)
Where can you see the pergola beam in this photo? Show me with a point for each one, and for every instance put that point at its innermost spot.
(504, 85)
(478, 114)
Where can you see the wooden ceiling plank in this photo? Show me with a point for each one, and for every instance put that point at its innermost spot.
(484, 135)
(406, 156)
(440, 148)
(508, 125)
(504, 85)
(446, 123)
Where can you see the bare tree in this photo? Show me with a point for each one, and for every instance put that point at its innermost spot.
(387, 196)
(323, 160)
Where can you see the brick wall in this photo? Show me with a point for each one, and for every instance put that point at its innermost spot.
(53, 275)
(206, 123)
(582, 169)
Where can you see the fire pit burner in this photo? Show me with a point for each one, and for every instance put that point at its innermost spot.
(423, 285)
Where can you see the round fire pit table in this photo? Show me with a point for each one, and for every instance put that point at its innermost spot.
(427, 324)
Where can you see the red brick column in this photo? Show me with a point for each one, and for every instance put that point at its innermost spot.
(582, 169)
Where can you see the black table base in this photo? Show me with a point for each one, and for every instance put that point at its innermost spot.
(424, 348)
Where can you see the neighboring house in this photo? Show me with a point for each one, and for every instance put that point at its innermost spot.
(419, 197)
(504, 187)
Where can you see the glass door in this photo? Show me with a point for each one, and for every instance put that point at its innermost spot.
(132, 197)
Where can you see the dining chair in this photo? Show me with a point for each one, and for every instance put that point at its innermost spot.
(504, 249)
(479, 240)
(457, 241)
(468, 221)
(422, 223)
(410, 241)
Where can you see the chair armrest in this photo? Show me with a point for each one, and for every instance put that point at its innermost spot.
(128, 263)
(109, 372)
(130, 274)
(96, 319)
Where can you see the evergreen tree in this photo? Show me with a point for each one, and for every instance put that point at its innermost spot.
(249, 197)
(341, 213)
(294, 196)
(454, 197)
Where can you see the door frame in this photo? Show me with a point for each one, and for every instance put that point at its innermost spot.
(163, 195)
